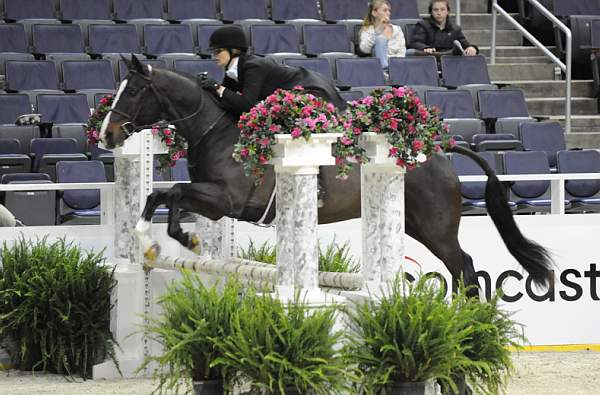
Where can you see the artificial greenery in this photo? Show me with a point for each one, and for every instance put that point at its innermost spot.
(409, 334)
(55, 306)
(193, 314)
(277, 346)
(493, 334)
(333, 258)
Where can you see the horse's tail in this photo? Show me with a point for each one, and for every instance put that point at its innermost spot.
(532, 256)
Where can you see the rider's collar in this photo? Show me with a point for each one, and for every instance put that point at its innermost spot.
(232, 70)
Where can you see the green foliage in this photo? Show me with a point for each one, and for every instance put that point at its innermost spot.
(276, 346)
(193, 315)
(411, 334)
(334, 258)
(492, 334)
(55, 306)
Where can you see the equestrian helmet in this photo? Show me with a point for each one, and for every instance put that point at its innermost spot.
(228, 37)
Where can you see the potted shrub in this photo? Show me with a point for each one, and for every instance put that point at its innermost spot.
(492, 335)
(406, 340)
(55, 307)
(282, 348)
(193, 315)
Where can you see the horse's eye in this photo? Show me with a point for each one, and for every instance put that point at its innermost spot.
(132, 91)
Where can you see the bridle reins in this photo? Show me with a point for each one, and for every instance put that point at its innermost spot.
(130, 127)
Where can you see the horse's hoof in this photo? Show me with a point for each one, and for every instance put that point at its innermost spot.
(194, 243)
(152, 252)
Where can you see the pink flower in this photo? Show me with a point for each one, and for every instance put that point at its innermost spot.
(398, 92)
(296, 132)
(298, 88)
(417, 145)
(311, 123)
(330, 107)
(104, 101)
(338, 161)
(262, 159)
(276, 108)
(345, 140)
(356, 131)
(244, 152)
(367, 100)
(274, 128)
(438, 148)
(307, 110)
(400, 162)
(394, 123)
(393, 151)
(168, 141)
(167, 132)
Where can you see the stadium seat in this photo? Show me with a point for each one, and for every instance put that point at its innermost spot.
(583, 195)
(31, 78)
(359, 72)
(463, 70)
(530, 196)
(13, 105)
(17, 10)
(195, 67)
(350, 96)
(548, 137)
(287, 10)
(80, 206)
(147, 10)
(457, 110)
(22, 133)
(503, 110)
(13, 38)
(189, 10)
(337, 39)
(90, 77)
(63, 108)
(405, 9)
(274, 39)
(72, 10)
(123, 70)
(235, 10)
(47, 152)
(12, 158)
(168, 39)
(33, 208)
(63, 38)
(498, 142)
(320, 65)
(119, 38)
(179, 172)
(414, 71)
(343, 10)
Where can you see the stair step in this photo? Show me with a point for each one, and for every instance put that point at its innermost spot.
(483, 21)
(516, 51)
(521, 71)
(551, 88)
(466, 6)
(587, 140)
(556, 106)
(521, 59)
(484, 37)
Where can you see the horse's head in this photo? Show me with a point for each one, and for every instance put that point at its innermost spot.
(136, 105)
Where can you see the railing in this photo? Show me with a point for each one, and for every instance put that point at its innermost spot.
(457, 12)
(564, 67)
(557, 188)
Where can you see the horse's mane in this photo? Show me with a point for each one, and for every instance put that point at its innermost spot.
(193, 80)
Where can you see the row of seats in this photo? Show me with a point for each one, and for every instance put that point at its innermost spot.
(71, 207)
(181, 10)
(532, 196)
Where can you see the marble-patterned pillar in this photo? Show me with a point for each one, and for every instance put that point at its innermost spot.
(218, 238)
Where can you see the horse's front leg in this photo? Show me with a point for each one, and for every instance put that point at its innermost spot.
(206, 199)
(150, 248)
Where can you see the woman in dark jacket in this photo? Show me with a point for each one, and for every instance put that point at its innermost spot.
(250, 79)
(437, 33)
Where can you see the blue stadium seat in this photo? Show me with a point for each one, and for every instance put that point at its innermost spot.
(463, 70)
(31, 9)
(548, 137)
(30, 75)
(504, 109)
(195, 67)
(320, 65)
(274, 39)
(48, 152)
(566, 8)
(530, 196)
(168, 39)
(126, 10)
(63, 38)
(22, 133)
(13, 38)
(337, 39)
(235, 10)
(33, 208)
(411, 71)
(85, 9)
(584, 195)
(341, 10)
(405, 9)
(12, 158)
(63, 108)
(119, 38)
(359, 72)
(13, 105)
(286, 10)
(88, 74)
(80, 206)
(499, 142)
(180, 10)
(451, 103)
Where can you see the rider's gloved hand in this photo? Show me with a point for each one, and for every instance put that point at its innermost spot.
(207, 83)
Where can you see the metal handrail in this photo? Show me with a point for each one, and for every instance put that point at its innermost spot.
(457, 12)
(564, 67)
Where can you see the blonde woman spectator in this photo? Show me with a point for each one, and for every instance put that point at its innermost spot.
(379, 36)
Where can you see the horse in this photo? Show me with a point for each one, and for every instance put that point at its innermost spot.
(219, 187)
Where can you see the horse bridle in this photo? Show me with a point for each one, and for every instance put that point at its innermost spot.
(130, 127)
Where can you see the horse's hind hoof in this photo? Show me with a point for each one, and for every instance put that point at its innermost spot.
(152, 252)
(194, 243)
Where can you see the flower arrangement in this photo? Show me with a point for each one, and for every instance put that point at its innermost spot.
(293, 112)
(409, 126)
(176, 144)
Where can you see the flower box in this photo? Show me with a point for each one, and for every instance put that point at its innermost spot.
(298, 152)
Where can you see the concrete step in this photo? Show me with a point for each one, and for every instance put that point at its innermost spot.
(484, 37)
(521, 71)
(466, 6)
(556, 106)
(483, 22)
(585, 130)
(521, 59)
(551, 88)
(587, 140)
(513, 51)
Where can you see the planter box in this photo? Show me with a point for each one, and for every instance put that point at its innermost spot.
(290, 152)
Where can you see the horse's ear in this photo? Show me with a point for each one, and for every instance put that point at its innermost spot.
(127, 62)
(137, 65)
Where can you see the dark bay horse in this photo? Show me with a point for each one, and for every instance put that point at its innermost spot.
(220, 188)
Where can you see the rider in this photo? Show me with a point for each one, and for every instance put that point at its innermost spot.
(250, 79)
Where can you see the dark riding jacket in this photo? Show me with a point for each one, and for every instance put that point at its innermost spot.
(260, 77)
(427, 34)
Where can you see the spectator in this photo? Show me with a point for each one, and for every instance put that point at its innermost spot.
(378, 36)
(437, 33)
